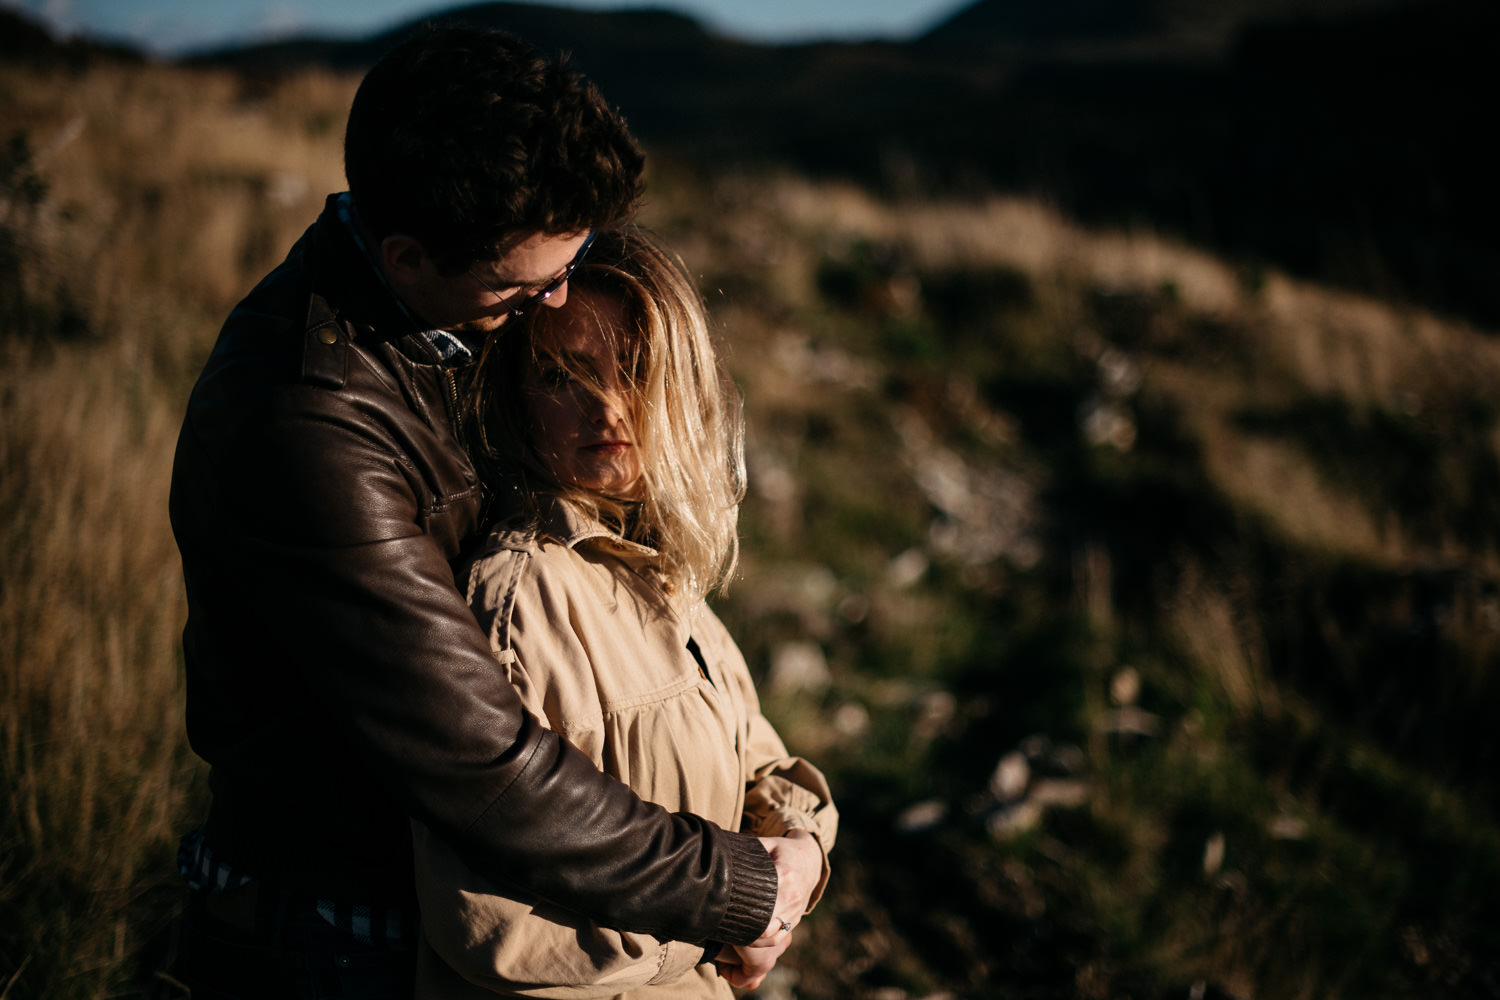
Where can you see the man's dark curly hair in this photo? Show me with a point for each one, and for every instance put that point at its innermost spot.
(469, 140)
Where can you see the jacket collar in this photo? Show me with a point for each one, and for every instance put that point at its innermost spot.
(343, 277)
(570, 525)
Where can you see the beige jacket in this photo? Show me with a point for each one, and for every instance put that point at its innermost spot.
(583, 629)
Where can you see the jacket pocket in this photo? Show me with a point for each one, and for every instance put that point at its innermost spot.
(452, 520)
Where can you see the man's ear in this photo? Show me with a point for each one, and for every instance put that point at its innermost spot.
(404, 260)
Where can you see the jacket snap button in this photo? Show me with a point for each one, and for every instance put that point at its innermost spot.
(328, 336)
(342, 961)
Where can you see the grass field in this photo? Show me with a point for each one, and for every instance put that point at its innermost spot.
(1143, 606)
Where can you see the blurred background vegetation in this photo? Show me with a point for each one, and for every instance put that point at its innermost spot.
(1140, 595)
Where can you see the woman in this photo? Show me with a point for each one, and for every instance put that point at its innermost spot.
(627, 440)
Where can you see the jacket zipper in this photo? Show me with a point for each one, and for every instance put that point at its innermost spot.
(461, 435)
(453, 417)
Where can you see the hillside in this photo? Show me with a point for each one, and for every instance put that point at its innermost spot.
(1340, 140)
(1142, 605)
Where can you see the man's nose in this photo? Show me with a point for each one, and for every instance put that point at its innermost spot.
(559, 298)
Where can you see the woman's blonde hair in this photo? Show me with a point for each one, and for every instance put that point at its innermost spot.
(686, 417)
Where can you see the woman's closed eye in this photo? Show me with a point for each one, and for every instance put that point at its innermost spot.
(555, 378)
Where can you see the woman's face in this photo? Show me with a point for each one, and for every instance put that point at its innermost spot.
(578, 406)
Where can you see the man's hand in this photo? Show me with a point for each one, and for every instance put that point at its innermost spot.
(746, 967)
(799, 866)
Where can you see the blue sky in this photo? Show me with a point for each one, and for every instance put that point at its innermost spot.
(168, 26)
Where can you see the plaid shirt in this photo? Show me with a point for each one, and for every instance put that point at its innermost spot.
(385, 927)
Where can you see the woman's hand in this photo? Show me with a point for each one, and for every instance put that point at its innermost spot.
(799, 866)
(746, 967)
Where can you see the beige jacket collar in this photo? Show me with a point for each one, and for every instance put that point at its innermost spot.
(569, 524)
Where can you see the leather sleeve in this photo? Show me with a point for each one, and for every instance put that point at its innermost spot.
(297, 512)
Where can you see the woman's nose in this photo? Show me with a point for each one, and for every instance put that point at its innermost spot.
(608, 408)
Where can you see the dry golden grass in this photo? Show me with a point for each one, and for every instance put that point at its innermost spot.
(173, 183)
(167, 193)
(1326, 341)
(1222, 640)
(1306, 339)
(94, 764)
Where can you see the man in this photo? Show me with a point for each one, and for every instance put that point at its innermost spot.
(337, 682)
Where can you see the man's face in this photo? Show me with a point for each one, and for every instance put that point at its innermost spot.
(481, 299)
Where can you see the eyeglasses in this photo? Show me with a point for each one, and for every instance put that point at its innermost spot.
(546, 291)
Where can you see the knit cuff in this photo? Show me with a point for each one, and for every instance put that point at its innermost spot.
(752, 890)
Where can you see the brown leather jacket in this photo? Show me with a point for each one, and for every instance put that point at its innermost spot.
(336, 680)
